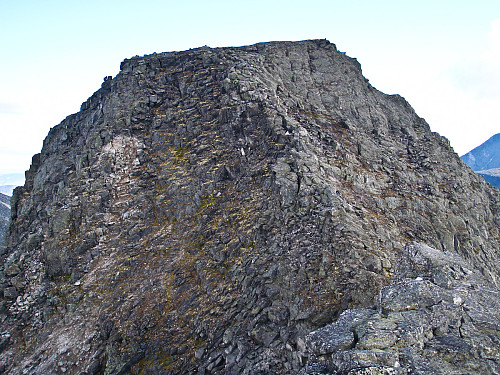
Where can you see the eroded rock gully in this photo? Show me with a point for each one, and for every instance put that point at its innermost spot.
(207, 210)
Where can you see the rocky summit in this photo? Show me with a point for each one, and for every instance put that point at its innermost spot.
(252, 210)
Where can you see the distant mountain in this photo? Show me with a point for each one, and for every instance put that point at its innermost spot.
(492, 176)
(485, 156)
(7, 189)
(485, 159)
(4, 215)
(8, 182)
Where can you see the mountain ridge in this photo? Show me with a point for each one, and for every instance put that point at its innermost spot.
(485, 159)
(8, 182)
(485, 156)
(206, 210)
(491, 176)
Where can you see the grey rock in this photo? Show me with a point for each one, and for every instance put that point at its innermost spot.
(338, 335)
(4, 217)
(12, 270)
(420, 327)
(10, 292)
(411, 295)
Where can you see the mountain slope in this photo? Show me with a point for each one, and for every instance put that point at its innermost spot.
(207, 209)
(485, 160)
(7, 189)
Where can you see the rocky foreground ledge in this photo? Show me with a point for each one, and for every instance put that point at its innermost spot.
(438, 316)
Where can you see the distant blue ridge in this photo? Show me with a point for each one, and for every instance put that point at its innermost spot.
(485, 156)
(16, 179)
(8, 182)
(485, 160)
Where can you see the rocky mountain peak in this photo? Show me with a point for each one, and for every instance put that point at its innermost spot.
(206, 210)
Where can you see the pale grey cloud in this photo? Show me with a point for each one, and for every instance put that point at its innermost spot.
(9, 108)
(481, 78)
(480, 75)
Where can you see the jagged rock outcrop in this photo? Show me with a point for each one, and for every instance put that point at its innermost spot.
(439, 315)
(4, 216)
(206, 210)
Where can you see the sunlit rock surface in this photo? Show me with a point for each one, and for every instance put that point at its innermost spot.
(4, 216)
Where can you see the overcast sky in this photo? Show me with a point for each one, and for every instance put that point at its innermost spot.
(442, 56)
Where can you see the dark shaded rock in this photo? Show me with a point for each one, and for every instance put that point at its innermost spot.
(10, 292)
(338, 335)
(4, 341)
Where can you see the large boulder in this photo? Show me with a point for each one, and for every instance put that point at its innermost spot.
(438, 316)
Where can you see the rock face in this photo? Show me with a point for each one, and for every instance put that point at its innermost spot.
(207, 210)
(4, 216)
(437, 316)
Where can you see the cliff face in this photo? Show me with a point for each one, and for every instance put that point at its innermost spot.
(208, 209)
